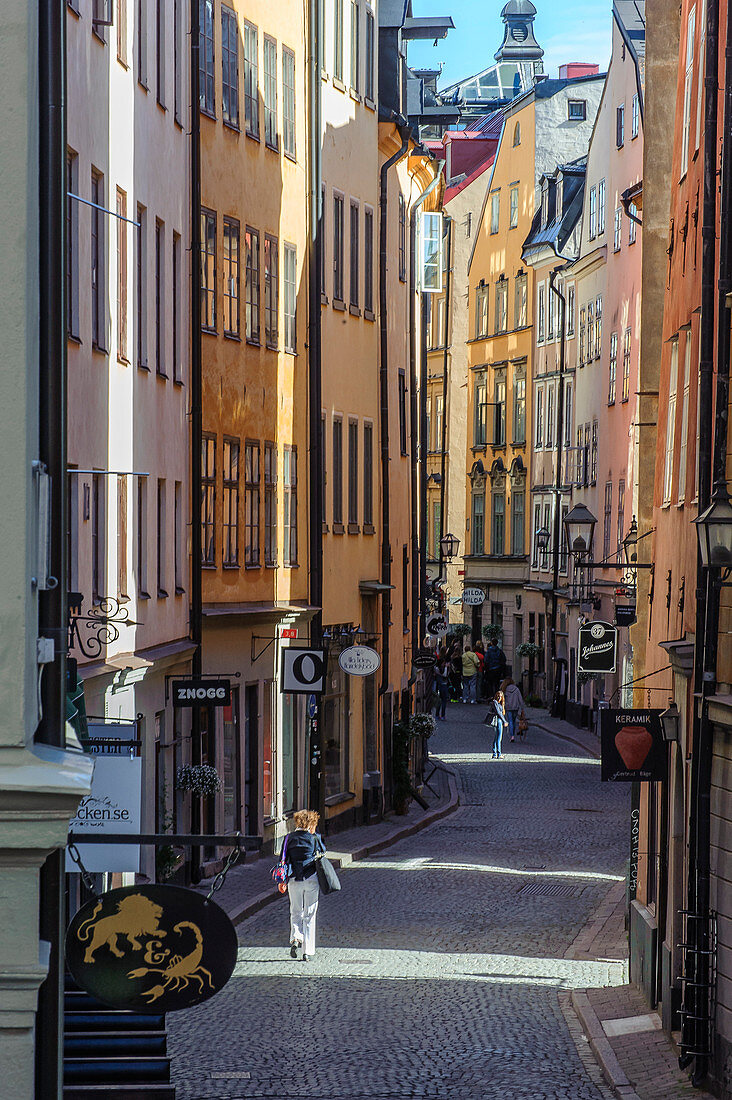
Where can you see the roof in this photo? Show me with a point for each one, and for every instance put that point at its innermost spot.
(558, 231)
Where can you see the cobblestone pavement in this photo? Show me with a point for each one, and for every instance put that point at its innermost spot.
(444, 966)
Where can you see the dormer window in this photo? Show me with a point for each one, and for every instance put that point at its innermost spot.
(544, 203)
(559, 196)
(577, 110)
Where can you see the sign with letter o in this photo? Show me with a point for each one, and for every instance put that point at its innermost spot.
(303, 671)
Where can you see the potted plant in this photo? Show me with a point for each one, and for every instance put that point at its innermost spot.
(493, 632)
(527, 649)
(200, 779)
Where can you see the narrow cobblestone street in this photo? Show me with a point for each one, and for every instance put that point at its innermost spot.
(441, 964)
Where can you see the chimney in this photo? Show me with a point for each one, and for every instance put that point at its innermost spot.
(574, 69)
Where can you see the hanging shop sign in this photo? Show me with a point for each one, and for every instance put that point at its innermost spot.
(151, 948)
(437, 626)
(624, 614)
(201, 693)
(359, 660)
(113, 806)
(597, 647)
(632, 745)
(473, 597)
(303, 671)
(111, 738)
(425, 658)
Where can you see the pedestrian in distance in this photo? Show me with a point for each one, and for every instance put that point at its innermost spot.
(456, 674)
(496, 719)
(442, 684)
(514, 707)
(479, 650)
(495, 667)
(303, 845)
(471, 666)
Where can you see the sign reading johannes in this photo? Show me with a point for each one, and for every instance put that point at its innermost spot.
(151, 948)
(597, 647)
(632, 746)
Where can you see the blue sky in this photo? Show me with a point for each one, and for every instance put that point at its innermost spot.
(571, 30)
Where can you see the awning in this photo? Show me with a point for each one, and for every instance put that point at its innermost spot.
(372, 588)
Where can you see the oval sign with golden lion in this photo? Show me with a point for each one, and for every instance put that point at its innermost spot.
(151, 948)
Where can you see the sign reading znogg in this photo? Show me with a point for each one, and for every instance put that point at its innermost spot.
(359, 660)
(632, 746)
(151, 948)
(597, 647)
(303, 671)
(201, 693)
(473, 597)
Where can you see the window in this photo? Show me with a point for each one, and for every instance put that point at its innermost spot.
(338, 247)
(98, 262)
(502, 304)
(581, 478)
(271, 291)
(405, 589)
(635, 117)
(402, 239)
(568, 417)
(229, 68)
(430, 249)
(270, 92)
(593, 212)
(338, 39)
(570, 310)
(700, 70)
(72, 246)
(499, 411)
(564, 545)
(519, 409)
(206, 58)
(288, 102)
(607, 521)
(252, 285)
(620, 126)
(290, 291)
(517, 135)
(590, 331)
(548, 527)
(544, 203)
(355, 47)
(539, 438)
(632, 225)
(355, 266)
(337, 472)
(518, 504)
(593, 454)
(498, 524)
(160, 298)
(439, 421)
(514, 207)
(685, 418)
(142, 591)
(251, 77)
(436, 528)
(122, 32)
(521, 303)
(550, 416)
(208, 499)
(598, 327)
(368, 248)
(495, 210)
(551, 314)
(480, 437)
(369, 83)
(481, 310)
(162, 592)
(685, 136)
(141, 279)
(541, 312)
(352, 475)
(582, 328)
(428, 422)
(208, 270)
(618, 233)
(613, 368)
(626, 365)
(176, 334)
(178, 536)
(142, 42)
(535, 541)
(601, 204)
(98, 532)
(251, 502)
(477, 522)
(577, 110)
(231, 277)
(121, 276)
(178, 47)
(402, 412)
(621, 520)
(320, 243)
(160, 51)
(231, 502)
(368, 475)
(290, 504)
(270, 504)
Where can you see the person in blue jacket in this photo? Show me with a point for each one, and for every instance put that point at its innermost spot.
(303, 844)
(496, 719)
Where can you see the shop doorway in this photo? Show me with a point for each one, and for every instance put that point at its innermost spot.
(251, 760)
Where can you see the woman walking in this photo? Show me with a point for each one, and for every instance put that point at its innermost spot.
(496, 718)
(303, 844)
(442, 684)
(514, 705)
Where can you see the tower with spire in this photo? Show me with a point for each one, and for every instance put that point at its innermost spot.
(519, 43)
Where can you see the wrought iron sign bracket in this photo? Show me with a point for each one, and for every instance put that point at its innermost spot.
(261, 638)
(93, 630)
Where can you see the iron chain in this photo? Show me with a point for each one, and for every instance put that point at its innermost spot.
(231, 859)
(85, 876)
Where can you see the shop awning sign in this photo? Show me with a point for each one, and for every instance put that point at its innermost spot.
(113, 806)
(632, 746)
(201, 693)
(151, 948)
(359, 660)
(597, 647)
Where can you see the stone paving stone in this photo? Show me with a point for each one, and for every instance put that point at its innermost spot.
(441, 968)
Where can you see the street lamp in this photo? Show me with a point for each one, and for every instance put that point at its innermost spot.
(542, 539)
(630, 544)
(449, 545)
(579, 525)
(670, 722)
(714, 530)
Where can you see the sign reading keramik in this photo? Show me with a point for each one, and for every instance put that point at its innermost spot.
(597, 647)
(632, 746)
(151, 948)
(201, 693)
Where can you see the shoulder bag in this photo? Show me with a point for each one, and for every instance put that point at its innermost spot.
(328, 880)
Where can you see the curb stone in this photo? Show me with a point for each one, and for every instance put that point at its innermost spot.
(600, 1046)
(343, 859)
(566, 737)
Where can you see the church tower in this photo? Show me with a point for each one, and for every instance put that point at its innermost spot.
(519, 43)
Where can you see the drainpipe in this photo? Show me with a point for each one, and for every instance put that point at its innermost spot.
(448, 342)
(404, 133)
(413, 442)
(557, 530)
(693, 1035)
(316, 787)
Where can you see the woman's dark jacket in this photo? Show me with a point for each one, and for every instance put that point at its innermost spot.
(302, 846)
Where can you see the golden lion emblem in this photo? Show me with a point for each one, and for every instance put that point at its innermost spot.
(136, 916)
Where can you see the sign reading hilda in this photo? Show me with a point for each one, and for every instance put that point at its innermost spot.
(201, 693)
(597, 647)
(632, 745)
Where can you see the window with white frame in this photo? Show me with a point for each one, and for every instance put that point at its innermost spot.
(539, 428)
(206, 57)
(521, 303)
(598, 326)
(570, 310)
(519, 408)
(541, 312)
(633, 225)
(618, 232)
(251, 77)
(495, 210)
(626, 365)
(502, 304)
(480, 421)
(288, 103)
(289, 258)
(635, 117)
(593, 213)
(369, 60)
(601, 203)
(514, 207)
(550, 413)
(338, 247)
(620, 126)
(355, 47)
(688, 76)
(481, 310)
(271, 291)
(271, 136)
(499, 410)
(229, 67)
(338, 39)
(683, 449)
(613, 368)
